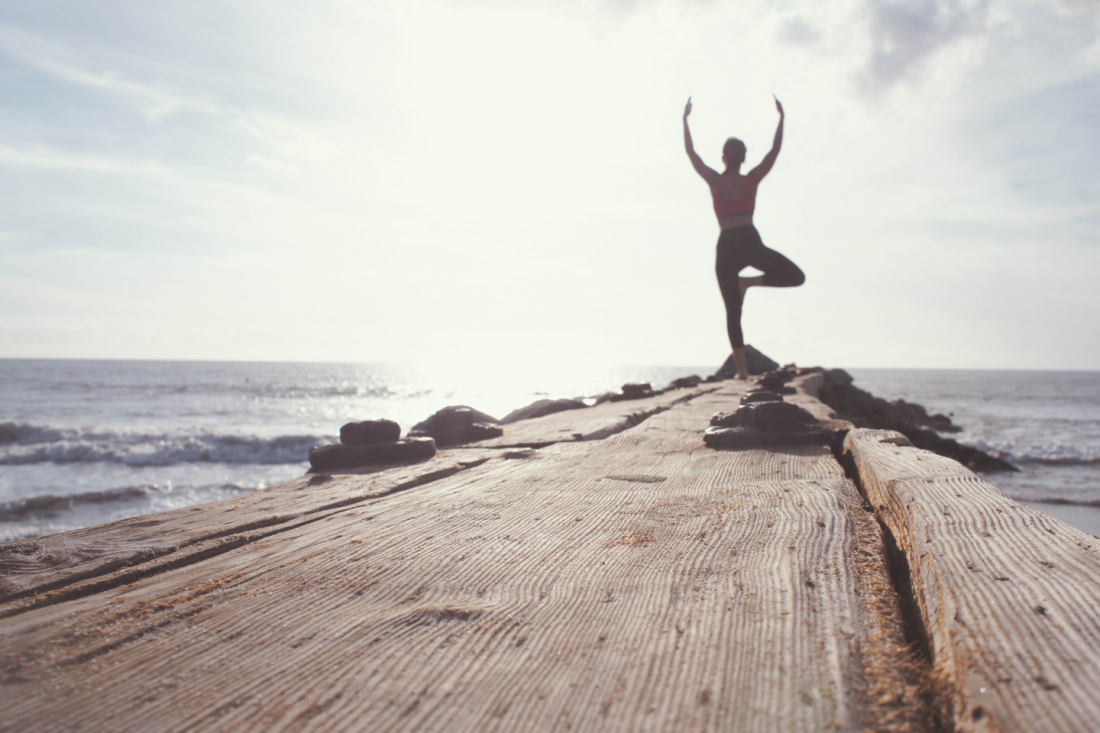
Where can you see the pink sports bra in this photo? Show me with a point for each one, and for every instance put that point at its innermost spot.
(733, 196)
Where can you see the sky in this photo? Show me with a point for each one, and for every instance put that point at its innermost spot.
(503, 182)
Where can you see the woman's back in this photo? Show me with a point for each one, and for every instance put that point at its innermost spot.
(733, 194)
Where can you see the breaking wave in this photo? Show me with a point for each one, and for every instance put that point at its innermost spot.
(48, 505)
(1055, 453)
(1059, 500)
(21, 443)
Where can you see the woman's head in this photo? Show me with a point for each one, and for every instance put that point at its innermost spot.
(733, 152)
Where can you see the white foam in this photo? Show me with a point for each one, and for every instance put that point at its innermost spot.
(1030, 451)
(39, 444)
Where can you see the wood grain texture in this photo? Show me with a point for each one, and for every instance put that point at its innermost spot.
(1008, 595)
(592, 423)
(41, 570)
(35, 571)
(641, 582)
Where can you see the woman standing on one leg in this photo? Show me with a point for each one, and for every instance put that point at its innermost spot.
(739, 245)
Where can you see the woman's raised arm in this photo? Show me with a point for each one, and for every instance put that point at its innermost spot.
(709, 174)
(769, 160)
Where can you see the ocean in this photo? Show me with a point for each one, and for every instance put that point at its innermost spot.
(87, 442)
(1047, 424)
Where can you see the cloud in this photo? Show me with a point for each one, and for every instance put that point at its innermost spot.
(49, 58)
(797, 31)
(15, 235)
(906, 34)
(1087, 8)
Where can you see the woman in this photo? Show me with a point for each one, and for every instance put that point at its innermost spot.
(739, 245)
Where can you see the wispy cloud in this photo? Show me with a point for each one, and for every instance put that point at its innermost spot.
(50, 58)
(905, 35)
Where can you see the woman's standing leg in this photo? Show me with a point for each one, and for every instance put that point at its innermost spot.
(729, 262)
(738, 249)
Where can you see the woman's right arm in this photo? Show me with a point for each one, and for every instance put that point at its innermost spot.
(709, 175)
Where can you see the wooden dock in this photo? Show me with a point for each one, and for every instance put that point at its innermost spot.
(592, 570)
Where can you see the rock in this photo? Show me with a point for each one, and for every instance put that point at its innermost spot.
(634, 392)
(538, 408)
(942, 424)
(455, 416)
(370, 431)
(972, 458)
(751, 437)
(864, 410)
(338, 455)
(803, 371)
(768, 416)
(775, 384)
(692, 381)
(755, 362)
(760, 395)
(463, 435)
(457, 425)
(725, 420)
(774, 415)
(784, 375)
(917, 415)
(838, 377)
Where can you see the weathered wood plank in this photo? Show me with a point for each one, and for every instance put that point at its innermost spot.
(592, 423)
(1008, 595)
(107, 554)
(642, 582)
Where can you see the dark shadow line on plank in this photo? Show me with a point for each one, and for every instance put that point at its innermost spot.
(52, 593)
(936, 702)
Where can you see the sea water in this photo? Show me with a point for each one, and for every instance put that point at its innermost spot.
(1047, 424)
(86, 442)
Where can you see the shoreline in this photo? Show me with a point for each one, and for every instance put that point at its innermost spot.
(1083, 517)
(146, 492)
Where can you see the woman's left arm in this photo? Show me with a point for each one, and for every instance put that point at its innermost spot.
(769, 160)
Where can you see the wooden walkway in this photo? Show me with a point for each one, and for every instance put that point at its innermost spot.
(591, 570)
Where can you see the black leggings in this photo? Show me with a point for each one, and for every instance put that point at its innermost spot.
(740, 248)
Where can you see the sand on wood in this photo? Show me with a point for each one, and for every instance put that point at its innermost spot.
(1008, 595)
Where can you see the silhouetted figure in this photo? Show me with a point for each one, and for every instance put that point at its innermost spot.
(739, 245)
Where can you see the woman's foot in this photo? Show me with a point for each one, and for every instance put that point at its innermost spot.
(747, 282)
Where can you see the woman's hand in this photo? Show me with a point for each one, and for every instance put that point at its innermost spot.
(687, 108)
(778, 105)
